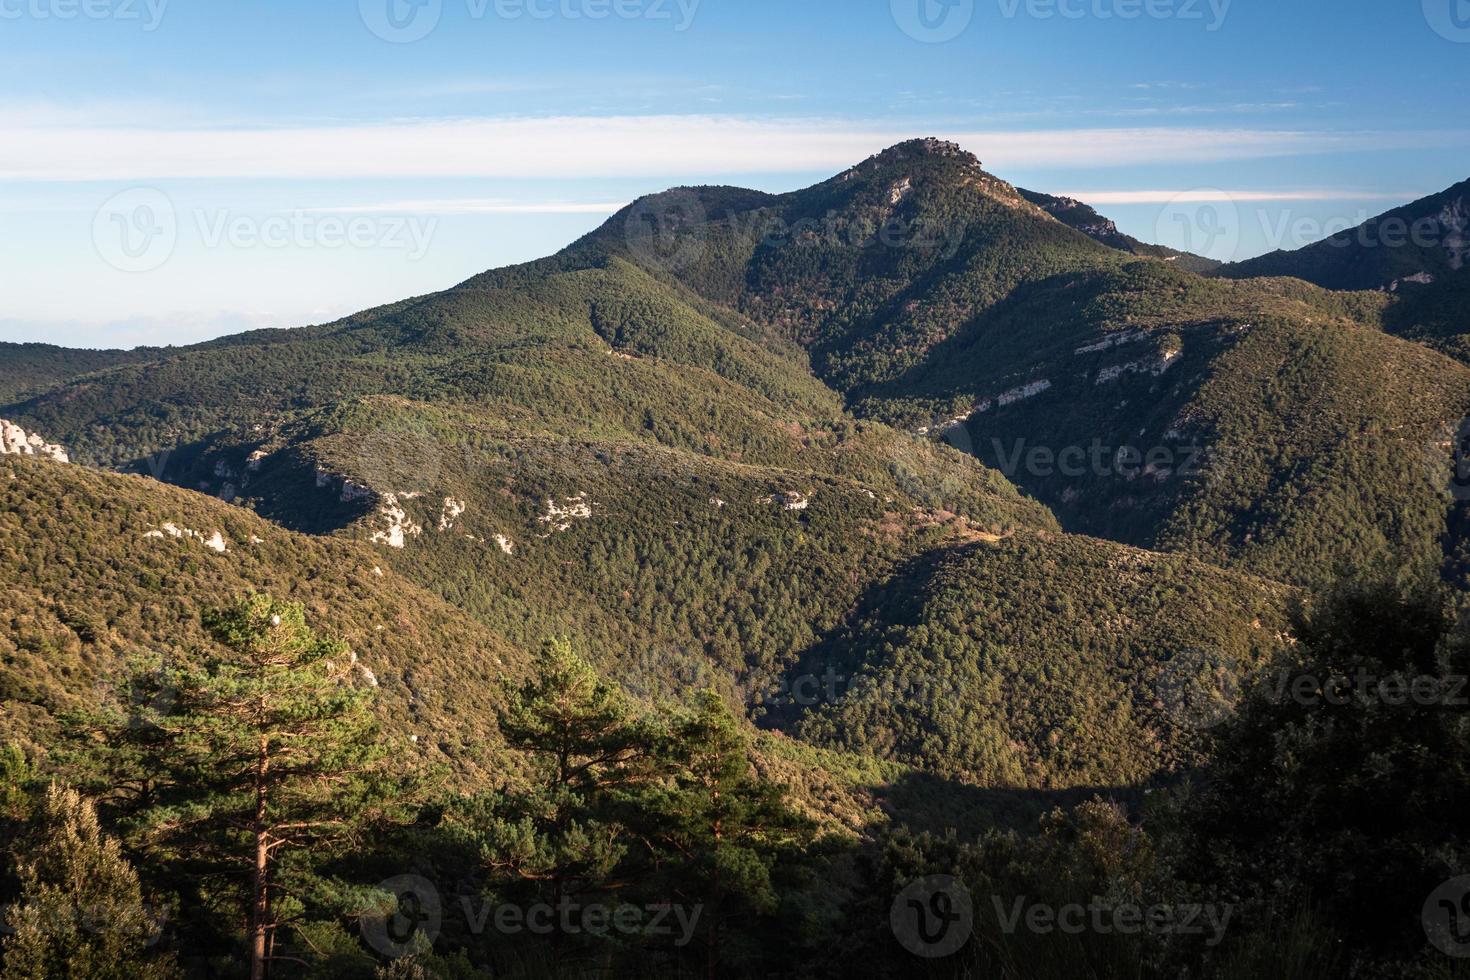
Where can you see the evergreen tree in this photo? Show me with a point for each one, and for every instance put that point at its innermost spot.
(268, 755)
(1341, 785)
(17, 780)
(587, 744)
(81, 911)
(719, 830)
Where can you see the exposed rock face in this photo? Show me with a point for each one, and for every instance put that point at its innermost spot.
(1155, 366)
(15, 441)
(1455, 219)
(1020, 394)
(791, 500)
(451, 513)
(399, 527)
(560, 517)
(1422, 278)
(215, 542)
(1024, 392)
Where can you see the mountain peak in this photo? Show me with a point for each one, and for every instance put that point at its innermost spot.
(924, 148)
(928, 154)
(927, 146)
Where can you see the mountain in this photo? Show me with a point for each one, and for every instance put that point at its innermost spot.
(981, 515)
(981, 317)
(742, 440)
(1077, 214)
(32, 368)
(1418, 253)
(1427, 240)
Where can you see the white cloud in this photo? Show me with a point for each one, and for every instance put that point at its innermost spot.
(612, 146)
(475, 205)
(1205, 194)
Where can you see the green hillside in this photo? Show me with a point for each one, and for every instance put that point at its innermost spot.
(1263, 424)
(703, 439)
(1417, 253)
(29, 369)
(938, 298)
(99, 568)
(966, 666)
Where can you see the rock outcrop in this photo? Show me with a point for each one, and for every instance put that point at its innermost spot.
(15, 441)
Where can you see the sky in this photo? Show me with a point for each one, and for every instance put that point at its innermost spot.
(175, 170)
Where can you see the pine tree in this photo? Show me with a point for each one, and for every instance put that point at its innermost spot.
(1341, 784)
(17, 788)
(587, 744)
(16, 776)
(268, 749)
(719, 830)
(81, 911)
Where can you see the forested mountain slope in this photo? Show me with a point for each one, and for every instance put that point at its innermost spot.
(718, 442)
(1418, 253)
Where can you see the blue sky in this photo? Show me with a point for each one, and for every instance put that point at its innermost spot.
(172, 170)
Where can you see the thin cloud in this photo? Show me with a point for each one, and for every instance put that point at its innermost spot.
(1204, 195)
(476, 206)
(613, 146)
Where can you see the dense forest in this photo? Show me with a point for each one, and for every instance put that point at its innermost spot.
(243, 811)
(906, 576)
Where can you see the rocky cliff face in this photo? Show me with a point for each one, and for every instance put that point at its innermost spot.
(16, 441)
